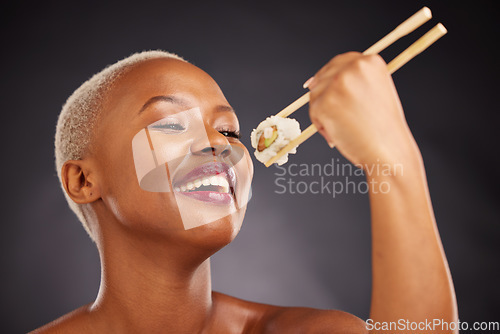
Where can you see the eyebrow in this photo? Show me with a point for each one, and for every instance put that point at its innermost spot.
(181, 102)
(166, 98)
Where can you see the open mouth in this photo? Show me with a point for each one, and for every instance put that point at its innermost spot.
(216, 183)
(211, 182)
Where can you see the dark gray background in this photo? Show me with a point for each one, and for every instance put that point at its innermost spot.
(308, 250)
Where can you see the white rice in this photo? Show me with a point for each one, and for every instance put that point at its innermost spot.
(288, 129)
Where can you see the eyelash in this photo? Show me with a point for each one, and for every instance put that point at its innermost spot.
(232, 134)
(179, 127)
(169, 126)
(175, 126)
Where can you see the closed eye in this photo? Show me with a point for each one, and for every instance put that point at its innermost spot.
(169, 127)
(173, 126)
(232, 134)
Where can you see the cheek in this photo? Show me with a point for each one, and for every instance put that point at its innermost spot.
(155, 158)
(249, 163)
(117, 169)
(123, 195)
(244, 172)
(146, 211)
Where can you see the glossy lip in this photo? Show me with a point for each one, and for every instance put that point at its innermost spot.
(212, 197)
(209, 169)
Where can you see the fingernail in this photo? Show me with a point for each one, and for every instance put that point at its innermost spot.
(308, 82)
(328, 141)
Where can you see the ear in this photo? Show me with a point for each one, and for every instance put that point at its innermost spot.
(79, 182)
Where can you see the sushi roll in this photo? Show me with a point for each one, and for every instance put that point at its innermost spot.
(272, 135)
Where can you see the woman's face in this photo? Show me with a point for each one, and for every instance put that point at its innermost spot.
(169, 160)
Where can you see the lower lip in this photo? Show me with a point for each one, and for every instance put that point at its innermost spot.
(212, 197)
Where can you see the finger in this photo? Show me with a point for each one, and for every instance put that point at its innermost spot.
(308, 82)
(336, 64)
(337, 61)
(325, 135)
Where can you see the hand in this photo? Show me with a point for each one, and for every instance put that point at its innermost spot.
(355, 106)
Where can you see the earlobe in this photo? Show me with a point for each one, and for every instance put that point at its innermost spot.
(78, 182)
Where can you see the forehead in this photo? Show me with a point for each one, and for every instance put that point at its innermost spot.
(164, 76)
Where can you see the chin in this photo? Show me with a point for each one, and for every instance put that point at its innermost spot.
(217, 234)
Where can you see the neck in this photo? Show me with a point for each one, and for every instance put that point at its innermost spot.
(146, 288)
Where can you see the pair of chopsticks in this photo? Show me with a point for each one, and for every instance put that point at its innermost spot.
(412, 23)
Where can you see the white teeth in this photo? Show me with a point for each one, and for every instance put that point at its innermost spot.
(223, 183)
(215, 180)
(177, 189)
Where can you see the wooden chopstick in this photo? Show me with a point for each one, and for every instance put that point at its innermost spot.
(293, 143)
(409, 25)
(413, 50)
(420, 45)
(305, 135)
(294, 106)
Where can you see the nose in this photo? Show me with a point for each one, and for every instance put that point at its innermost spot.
(214, 143)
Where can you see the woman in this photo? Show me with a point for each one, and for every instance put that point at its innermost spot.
(155, 239)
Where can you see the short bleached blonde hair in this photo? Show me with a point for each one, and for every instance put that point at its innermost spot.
(79, 116)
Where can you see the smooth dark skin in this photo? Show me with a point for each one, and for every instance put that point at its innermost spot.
(156, 275)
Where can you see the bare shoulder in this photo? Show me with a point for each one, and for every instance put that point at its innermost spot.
(309, 320)
(265, 318)
(77, 321)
